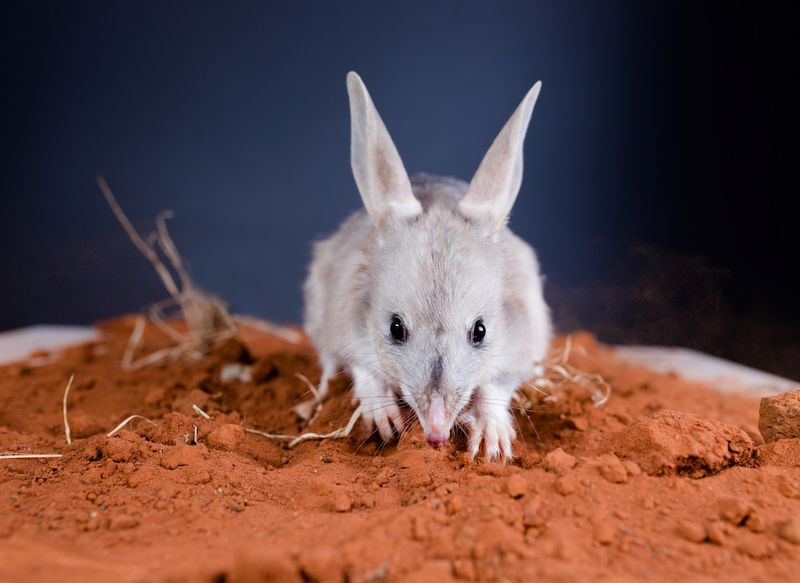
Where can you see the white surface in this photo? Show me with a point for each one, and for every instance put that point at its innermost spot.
(19, 344)
(722, 375)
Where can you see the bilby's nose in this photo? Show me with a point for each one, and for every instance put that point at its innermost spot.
(437, 431)
(436, 439)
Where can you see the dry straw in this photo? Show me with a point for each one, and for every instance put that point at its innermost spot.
(555, 374)
(206, 317)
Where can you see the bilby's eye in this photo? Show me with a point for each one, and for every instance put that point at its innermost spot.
(398, 330)
(478, 332)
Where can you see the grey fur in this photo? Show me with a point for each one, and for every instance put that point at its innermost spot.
(440, 262)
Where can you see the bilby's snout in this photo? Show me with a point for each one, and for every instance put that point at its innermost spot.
(436, 432)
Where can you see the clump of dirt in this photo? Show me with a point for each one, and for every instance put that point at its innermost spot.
(668, 480)
(779, 417)
(670, 442)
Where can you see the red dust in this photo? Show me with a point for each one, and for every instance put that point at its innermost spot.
(669, 480)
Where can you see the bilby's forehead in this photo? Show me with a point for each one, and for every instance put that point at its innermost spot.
(442, 275)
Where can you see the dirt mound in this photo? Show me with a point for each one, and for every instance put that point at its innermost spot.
(668, 480)
(671, 442)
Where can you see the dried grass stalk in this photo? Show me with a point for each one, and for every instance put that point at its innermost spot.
(207, 317)
(310, 409)
(67, 432)
(297, 439)
(29, 456)
(126, 421)
(200, 412)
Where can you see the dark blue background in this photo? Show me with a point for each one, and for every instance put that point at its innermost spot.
(656, 178)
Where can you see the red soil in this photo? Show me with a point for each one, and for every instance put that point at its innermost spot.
(669, 480)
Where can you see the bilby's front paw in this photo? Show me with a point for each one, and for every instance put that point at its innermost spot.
(378, 404)
(383, 413)
(494, 427)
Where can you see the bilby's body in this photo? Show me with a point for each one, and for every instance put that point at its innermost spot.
(428, 295)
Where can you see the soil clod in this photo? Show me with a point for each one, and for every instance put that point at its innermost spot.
(672, 442)
(779, 417)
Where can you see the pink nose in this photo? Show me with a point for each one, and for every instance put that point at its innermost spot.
(436, 439)
(436, 422)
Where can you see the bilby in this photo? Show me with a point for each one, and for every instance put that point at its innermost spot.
(426, 295)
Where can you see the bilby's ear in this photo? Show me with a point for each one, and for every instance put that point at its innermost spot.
(495, 186)
(380, 176)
